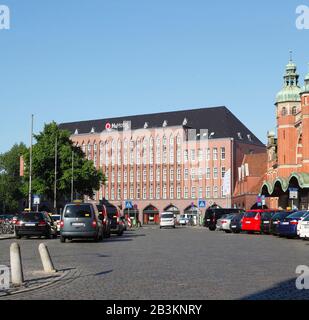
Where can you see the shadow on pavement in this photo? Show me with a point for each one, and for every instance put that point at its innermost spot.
(282, 291)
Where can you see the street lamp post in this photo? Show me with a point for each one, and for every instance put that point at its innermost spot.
(30, 164)
(72, 179)
(55, 182)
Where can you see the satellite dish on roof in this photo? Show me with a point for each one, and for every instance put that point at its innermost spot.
(146, 125)
(92, 130)
(185, 122)
(164, 124)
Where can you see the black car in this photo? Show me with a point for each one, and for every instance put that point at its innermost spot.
(35, 224)
(275, 221)
(106, 221)
(114, 215)
(236, 222)
(265, 221)
(213, 215)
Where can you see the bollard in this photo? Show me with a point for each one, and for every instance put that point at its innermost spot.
(46, 259)
(16, 265)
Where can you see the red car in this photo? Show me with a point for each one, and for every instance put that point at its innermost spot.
(251, 221)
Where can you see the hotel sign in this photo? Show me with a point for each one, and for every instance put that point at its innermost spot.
(126, 125)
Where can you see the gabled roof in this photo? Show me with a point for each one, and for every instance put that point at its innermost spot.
(219, 120)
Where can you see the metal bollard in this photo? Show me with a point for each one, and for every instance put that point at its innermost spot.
(46, 259)
(16, 265)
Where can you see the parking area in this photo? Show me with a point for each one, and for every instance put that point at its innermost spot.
(184, 263)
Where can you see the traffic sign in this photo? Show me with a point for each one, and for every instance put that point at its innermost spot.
(129, 205)
(202, 203)
(36, 199)
(293, 193)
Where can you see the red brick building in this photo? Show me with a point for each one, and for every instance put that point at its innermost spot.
(288, 152)
(167, 161)
(250, 178)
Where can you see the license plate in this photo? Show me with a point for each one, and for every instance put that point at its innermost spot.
(77, 224)
(266, 222)
(248, 222)
(208, 219)
(233, 227)
(275, 222)
(285, 223)
(30, 224)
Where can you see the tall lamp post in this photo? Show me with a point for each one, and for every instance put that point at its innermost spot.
(55, 182)
(30, 165)
(72, 179)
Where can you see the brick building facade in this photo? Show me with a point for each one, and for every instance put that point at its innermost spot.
(167, 161)
(288, 151)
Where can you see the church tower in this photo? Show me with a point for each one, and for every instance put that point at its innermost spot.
(288, 105)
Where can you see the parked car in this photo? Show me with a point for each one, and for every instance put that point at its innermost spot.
(252, 220)
(184, 220)
(276, 219)
(288, 227)
(81, 220)
(265, 221)
(303, 228)
(106, 221)
(57, 219)
(212, 216)
(114, 215)
(236, 222)
(39, 224)
(167, 219)
(224, 223)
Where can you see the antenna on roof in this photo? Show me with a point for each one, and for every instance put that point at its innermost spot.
(291, 55)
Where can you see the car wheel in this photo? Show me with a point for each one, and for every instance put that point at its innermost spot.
(62, 239)
(212, 229)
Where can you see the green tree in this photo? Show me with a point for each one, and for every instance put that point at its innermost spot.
(10, 180)
(87, 178)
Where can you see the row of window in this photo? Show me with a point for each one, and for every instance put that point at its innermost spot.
(193, 174)
(160, 157)
(193, 193)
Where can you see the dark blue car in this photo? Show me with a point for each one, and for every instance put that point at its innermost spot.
(288, 226)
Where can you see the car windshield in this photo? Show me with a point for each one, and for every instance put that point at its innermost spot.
(298, 214)
(78, 211)
(31, 216)
(280, 215)
(251, 214)
(167, 216)
(307, 218)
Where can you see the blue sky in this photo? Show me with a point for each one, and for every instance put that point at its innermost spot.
(77, 60)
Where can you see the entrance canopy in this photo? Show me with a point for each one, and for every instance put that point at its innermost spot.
(192, 210)
(282, 185)
(173, 209)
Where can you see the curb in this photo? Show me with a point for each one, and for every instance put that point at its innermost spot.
(9, 294)
(7, 237)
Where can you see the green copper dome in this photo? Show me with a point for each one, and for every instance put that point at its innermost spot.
(291, 91)
(305, 88)
(289, 94)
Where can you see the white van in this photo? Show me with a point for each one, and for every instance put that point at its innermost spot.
(167, 220)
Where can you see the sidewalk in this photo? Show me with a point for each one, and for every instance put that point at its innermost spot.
(37, 280)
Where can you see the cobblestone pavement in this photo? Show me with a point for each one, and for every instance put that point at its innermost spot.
(184, 264)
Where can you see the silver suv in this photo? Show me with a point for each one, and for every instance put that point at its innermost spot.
(80, 220)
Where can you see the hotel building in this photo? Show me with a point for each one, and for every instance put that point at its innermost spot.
(167, 161)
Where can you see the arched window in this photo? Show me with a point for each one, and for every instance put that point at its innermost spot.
(284, 111)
